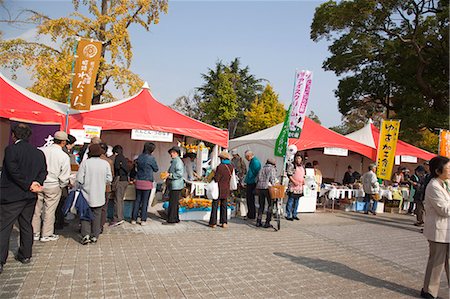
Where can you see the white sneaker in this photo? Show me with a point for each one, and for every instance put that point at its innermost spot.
(36, 237)
(133, 222)
(49, 238)
(143, 223)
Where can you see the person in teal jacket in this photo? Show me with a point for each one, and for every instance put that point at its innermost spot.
(250, 180)
(175, 183)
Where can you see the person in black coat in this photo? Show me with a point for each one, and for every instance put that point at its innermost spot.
(23, 173)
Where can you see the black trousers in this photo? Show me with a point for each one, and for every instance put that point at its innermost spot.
(264, 196)
(174, 203)
(223, 211)
(419, 210)
(22, 211)
(251, 201)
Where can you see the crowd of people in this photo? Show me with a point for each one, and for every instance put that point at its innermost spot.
(35, 186)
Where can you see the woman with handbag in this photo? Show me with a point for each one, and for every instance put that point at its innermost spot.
(267, 177)
(437, 225)
(146, 166)
(222, 176)
(93, 175)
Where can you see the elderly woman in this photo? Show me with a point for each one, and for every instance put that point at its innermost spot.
(145, 165)
(175, 183)
(222, 177)
(267, 177)
(93, 175)
(437, 225)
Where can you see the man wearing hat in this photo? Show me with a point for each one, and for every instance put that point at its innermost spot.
(58, 168)
(175, 183)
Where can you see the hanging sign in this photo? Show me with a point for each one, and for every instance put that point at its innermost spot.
(444, 143)
(409, 159)
(335, 151)
(91, 132)
(386, 148)
(85, 72)
(150, 135)
(299, 103)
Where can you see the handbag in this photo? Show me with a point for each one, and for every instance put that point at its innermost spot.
(233, 179)
(212, 190)
(114, 183)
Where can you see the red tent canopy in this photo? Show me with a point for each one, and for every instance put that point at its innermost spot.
(403, 148)
(18, 103)
(144, 112)
(315, 136)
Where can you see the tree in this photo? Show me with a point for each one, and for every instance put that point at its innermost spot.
(245, 85)
(189, 105)
(314, 117)
(265, 111)
(107, 21)
(222, 106)
(393, 54)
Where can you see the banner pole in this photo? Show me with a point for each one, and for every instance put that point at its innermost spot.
(283, 173)
(71, 81)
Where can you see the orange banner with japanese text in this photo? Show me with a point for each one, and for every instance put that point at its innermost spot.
(444, 143)
(85, 72)
(386, 148)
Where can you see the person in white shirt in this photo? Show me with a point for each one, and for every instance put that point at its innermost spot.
(58, 168)
(371, 189)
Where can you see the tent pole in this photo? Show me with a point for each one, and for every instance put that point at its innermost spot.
(75, 46)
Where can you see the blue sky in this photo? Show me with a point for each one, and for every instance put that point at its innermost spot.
(271, 37)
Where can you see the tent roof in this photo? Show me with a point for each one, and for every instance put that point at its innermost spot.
(313, 136)
(20, 104)
(370, 135)
(316, 136)
(143, 111)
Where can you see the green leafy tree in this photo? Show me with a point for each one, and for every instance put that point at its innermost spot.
(107, 21)
(245, 85)
(393, 54)
(265, 111)
(222, 106)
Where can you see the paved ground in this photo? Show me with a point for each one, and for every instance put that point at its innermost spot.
(325, 255)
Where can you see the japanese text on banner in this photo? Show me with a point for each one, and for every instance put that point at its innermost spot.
(299, 103)
(86, 67)
(281, 143)
(444, 143)
(386, 148)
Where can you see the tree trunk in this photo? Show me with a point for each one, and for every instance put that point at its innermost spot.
(99, 86)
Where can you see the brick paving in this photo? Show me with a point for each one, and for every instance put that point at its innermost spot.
(325, 255)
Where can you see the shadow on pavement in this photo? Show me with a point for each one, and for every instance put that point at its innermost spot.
(397, 223)
(346, 272)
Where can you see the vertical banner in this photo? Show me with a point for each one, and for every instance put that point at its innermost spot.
(282, 140)
(386, 148)
(299, 103)
(86, 67)
(444, 143)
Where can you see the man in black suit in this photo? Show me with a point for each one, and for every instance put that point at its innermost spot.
(24, 171)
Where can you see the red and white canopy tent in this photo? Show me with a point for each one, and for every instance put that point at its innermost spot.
(143, 111)
(116, 119)
(370, 135)
(313, 139)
